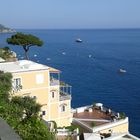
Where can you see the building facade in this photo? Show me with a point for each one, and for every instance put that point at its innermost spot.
(43, 84)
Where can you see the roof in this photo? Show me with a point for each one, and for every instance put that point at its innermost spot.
(125, 136)
(53, 70)
(6, 132)
(23, 66)
(91, 136)
(95, 119)
(89, 115)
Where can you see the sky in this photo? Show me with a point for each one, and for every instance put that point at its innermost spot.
(70, 14)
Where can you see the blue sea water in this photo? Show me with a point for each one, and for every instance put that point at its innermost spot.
(91, 67)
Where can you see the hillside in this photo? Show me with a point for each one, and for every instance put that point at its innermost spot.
(7, 55)
(4, 29)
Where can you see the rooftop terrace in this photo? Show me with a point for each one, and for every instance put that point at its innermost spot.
(119, 136)
(21, 65)
(24, 65)
(93, 117)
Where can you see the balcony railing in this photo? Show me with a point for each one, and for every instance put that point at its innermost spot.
(64, 96)
(64, 89)
(65, 92)
(17, 88)
(54, 82)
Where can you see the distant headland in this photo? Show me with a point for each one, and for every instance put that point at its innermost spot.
(4, 29)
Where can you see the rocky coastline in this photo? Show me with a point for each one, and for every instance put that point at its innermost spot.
(4, 29)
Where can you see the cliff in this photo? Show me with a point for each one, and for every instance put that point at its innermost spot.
(7, 55)
(4, 29)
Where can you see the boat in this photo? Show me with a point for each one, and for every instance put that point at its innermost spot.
(89, 55)
(122, 71)
(78, 40)
(48, 59)
(35, 55)
(63, 53)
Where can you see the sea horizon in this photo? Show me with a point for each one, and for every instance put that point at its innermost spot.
(131, 28)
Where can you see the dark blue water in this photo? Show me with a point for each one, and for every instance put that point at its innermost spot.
(94, 78)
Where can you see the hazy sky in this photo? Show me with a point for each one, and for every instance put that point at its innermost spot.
(70, 13)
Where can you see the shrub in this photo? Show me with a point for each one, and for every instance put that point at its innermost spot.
(93, 124)
(29, 128)
(122, 115)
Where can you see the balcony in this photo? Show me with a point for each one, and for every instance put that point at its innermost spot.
(54, 77)
(64, 96)
(65, 91)
(54, 82)
(16, 88)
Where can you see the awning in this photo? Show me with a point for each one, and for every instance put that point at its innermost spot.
(53, 70)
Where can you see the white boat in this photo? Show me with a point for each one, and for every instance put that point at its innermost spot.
(63, 53)
(78, 40)
(89, 55)
(122, 71)
(48, 59)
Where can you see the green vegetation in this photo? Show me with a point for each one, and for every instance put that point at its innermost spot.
(21, 113)
(5, 85)
(28, 105)
(93, 124)
(55, 126)
(24, 40)
(63, 83)
(94, 104)
(6, 53)
(122, 115)
(72, 127)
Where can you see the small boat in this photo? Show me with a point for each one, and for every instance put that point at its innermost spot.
(63, 53)
(78, 40)
(89, 55)
(122, 71)
(48, 59)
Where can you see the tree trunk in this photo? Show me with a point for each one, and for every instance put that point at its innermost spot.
(26, 55)
(26, 49)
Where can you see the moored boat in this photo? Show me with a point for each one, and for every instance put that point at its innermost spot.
(122, 70)
(78, 40)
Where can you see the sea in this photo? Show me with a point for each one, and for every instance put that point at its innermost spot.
(92, 67)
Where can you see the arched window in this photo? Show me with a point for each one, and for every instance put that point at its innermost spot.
(53, 93)
(63, 107)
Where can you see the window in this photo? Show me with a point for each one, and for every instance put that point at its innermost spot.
(34, 97)
(17, 83)
(43, 112)
(53, 94)
(63, 108)
(39, 78)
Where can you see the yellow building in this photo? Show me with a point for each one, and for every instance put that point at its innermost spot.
(42, 83)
